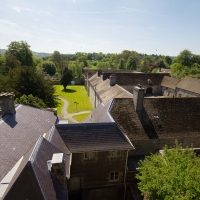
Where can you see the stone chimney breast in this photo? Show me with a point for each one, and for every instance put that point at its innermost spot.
(138, 95)
(7, 105)
(113, 79)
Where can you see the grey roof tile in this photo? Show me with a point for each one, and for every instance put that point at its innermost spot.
(19, 132)
(36, 158)
(93, 137)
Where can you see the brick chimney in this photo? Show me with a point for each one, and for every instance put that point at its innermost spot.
(138, 95)
(7, 105)
(58, 168)
(113, 79)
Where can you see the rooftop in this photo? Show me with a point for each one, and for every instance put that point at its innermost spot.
(93, 137)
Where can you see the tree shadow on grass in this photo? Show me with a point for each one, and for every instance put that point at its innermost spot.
(68, 90)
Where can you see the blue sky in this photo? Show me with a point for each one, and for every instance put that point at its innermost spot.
(147, 26)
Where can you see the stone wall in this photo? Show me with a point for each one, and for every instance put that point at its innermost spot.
(185, 93)
(168, 92)
(96, 172)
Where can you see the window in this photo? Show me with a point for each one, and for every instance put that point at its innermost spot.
(114, 176)
(89, 155)
(115, 154)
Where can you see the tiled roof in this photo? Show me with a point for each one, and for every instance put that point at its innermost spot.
(19, 132)
(174, 116)
(93, 137)
(114, 92)
(33, 175)
(170, 82)
(125, 79)
(123, 112)
(190, 84)
(95, 80)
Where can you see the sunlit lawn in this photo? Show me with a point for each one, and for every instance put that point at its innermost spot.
(81, 117)
(76, 96)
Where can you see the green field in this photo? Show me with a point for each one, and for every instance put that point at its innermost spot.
(76, 96)
(81, 117)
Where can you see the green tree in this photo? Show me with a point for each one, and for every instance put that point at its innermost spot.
(185, 58)
(168, 60)
(66, 77)
(49, 67)
(173, 176)
(26, 80)
(21, 51)
(131, 64)
(121, 64)
(30, 100)
(178, 70)
(82, 59)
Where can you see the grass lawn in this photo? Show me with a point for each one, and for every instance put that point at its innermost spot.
(72, 94)
(81, 117)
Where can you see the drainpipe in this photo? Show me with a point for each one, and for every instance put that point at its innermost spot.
(125, 175)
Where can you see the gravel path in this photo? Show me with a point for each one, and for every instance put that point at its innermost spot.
(68, 116)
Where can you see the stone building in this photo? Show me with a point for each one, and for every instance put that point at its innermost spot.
(188, 87)
(103, 86)
(168, 85)
(63, 161)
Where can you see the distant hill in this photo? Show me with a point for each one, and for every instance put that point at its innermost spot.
(37, 54)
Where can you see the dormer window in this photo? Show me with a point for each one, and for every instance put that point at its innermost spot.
(116, 154)
(89, 156)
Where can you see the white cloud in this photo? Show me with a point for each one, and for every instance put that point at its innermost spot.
(132, 9)
(17, 9)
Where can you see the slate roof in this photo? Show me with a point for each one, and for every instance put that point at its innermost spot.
(33, 175)
(190, 84)
(170, 82)
(174, 116)
(100, 114)
(93, 137)
(19, 132)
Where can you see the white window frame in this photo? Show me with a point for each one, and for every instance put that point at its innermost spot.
(114, 176)
(89, 156)
(116, 154)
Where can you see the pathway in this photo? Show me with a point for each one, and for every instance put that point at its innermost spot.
(68, 116)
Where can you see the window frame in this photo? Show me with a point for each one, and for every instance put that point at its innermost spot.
(116, 154)
(114, 176)
(89, 155)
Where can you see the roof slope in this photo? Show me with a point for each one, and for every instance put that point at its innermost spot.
(114, 92)
(93, 137)
(123, 112)
(174, 116)
(170, 82)
(190, 84)
(33, 175)
(100, 114)
(126, 79)
(19, 132)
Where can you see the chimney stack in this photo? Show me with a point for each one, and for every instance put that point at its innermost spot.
(99, 72)
(58, 168)
(113, 79)
(138, 95)
(7, 105)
